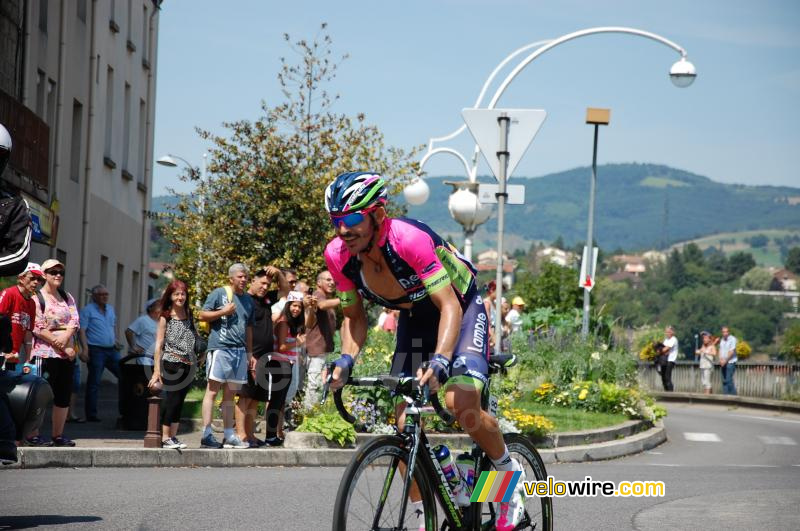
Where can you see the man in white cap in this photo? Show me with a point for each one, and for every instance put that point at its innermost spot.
(16, 303)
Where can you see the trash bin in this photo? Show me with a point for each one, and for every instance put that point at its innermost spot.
(133, 393)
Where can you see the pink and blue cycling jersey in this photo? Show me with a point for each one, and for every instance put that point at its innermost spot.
(421, 261)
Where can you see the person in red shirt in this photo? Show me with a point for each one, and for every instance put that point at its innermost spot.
(17, 303)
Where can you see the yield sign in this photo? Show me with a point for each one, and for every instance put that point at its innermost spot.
(485, 129)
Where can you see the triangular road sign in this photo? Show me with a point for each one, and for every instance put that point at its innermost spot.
(485, 129)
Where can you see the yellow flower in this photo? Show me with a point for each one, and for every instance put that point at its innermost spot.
(583, 394)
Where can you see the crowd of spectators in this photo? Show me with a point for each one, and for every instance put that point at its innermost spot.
(269, 334)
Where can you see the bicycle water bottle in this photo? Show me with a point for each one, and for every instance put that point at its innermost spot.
(451, 473)
(466, 467)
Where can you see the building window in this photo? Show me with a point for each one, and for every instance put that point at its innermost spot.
(135, 289)
(126, 131)
(104, 270)
(82, 10)
(118, 293)
(75, 146)
(142, 141)
(41, 86)
(112, 21)
(51, 104)
(43, 15)
(145, 22)
(109, 114)
(61, 256)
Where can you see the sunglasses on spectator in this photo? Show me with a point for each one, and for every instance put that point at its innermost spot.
(56, 272)
(352, 219)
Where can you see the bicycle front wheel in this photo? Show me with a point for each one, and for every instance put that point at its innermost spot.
(538, 513)
(371, 491)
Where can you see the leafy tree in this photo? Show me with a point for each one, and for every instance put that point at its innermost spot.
(759, 240)
(792, 262)
(790, 347)
(263, 200)
(739, 263)
(676, 271)
(693, 255)
(555, 287)
(757, 278)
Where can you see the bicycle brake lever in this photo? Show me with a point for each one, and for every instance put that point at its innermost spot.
(326, 386)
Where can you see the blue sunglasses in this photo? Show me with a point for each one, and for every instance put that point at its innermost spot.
(350, 220)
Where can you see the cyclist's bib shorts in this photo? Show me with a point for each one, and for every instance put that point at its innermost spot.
(417, 333)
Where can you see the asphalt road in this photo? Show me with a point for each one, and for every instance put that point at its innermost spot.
(724, 468)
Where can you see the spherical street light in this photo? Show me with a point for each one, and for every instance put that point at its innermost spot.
(682, 74)
(467, 210)
(417, 192)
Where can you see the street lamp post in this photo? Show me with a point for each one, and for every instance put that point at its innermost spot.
(596, 117)
(169, 161)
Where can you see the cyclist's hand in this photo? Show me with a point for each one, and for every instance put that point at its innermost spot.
(437, 373)
(341, 371)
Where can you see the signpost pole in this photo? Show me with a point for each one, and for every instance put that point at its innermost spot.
(502, 154)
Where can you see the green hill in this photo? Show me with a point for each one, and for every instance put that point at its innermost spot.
(638, 206)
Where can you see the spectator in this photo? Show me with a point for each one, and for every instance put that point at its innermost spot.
(230, 345)
(54, 340)
(382, 318)
(98, 322)
(141, 334)
(256, 388)
(670, 349)
(298, 368)
(707, 353)
(289, 338)
(390, 323)
(514, 317)
(291, 281)
(489, 298)
(16, 302)
(319, 338)
(727, 361)
(174, 357)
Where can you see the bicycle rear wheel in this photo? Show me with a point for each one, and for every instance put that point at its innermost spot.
(538, 510)
(371, 490)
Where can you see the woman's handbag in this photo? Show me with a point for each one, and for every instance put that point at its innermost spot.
(200, 343)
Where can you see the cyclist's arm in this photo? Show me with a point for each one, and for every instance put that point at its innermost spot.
(354, 329)
(449, 322)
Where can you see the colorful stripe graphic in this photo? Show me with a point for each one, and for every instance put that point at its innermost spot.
(495, 487)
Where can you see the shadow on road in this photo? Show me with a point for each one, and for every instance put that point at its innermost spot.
(25, 522)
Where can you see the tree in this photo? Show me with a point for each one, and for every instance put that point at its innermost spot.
(263, 201)
(676, 271)
(693, 255)
(555, 287)
(792, 262)
(759, 240)
(757, 278)
(739, 263)
(790, 347)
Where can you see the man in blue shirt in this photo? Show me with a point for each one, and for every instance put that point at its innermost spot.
(727, 361)
(230, 347)
(98, 335)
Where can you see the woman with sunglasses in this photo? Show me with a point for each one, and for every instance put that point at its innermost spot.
(54, 337)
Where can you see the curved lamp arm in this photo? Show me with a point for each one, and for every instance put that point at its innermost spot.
(570, 36)
(451, 151)
(485, 87)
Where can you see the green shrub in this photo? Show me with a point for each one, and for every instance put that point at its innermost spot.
(331, 426)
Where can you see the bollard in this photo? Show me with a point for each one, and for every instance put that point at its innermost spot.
(152, 439)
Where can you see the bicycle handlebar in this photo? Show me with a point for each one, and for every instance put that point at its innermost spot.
(400, 385)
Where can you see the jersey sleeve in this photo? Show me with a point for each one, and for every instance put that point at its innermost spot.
(335, 260)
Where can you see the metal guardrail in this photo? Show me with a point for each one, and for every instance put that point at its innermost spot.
(763, 380)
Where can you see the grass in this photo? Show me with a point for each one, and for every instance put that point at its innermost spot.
(661, 182)
(192, 407)
(568, 419)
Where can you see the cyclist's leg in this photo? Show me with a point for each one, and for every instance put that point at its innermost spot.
(469, 375)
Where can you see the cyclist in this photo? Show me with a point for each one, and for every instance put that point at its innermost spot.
(402, 264)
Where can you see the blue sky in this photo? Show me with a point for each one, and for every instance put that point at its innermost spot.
(415, 64)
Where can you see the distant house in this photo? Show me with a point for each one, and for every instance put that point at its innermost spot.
(556, 256)
(783, 280)
(487, 261)
(630, 263)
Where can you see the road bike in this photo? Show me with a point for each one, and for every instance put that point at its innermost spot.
(375, 489)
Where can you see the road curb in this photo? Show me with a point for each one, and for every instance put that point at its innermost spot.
(729, 400)
(287, 457)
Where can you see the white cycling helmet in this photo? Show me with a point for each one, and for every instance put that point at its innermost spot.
(5, 148)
